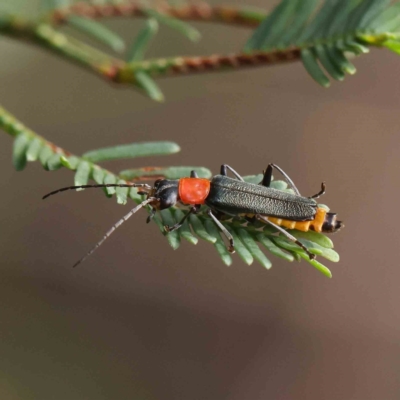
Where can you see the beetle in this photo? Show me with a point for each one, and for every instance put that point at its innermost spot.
(230, 197)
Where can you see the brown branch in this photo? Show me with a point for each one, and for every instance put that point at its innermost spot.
(132, 8)
(189, 65)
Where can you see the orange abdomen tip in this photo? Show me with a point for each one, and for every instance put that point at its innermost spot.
(319, 219)
(193, 190)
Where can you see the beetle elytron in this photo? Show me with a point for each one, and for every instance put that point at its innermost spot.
(232, 197)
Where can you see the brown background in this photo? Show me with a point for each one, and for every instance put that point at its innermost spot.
(140, 321)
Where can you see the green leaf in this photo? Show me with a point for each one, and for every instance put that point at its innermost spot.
(98, 174)
(300, 252)
(97, 31)
(324, 31)
(329, 254)
(200, 230)
(311, 64)
(326, 61)
(316, 264)
(45, 155)
(145, 82)
(315, 237)
(21, 144)
(388, 20)
(166, 172)
(373, 10)
(280, 185)
(34, 149)
(339, 59)
(393, 45)
(219, 243)
(133, 194)
(173, 237)
(82, 174)
(302, 14)
(108, 180)
(272, 26)
(54, 162)
(182, 27)
(273, 248)
(240, 248)
(132, 150)
(70, 162)
(253, 248)
(122, 193)
(139, 47)
(184, 230)
(256, 179)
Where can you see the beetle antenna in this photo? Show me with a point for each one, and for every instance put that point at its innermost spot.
(113, 228)
(139, 185)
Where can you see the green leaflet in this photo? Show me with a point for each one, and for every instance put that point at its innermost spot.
(147, 83)
(132, 151)
(138, 48)
(82, 174)
(122, 193)
(201, 231)
(34, 149)
(240, 248)
(44, 156)
(326, 31)
(253, 248)
(70, 162)
(110, 179)
(54, 162)
(273, 25)
(187, 30)
(219, 243)
(21, 144)
(311, 65)
(173, 237)
(273, 248)
(184, 230)
(97, 31)
(299, 252)
(393, 46)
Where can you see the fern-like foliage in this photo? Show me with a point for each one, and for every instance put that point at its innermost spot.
(28, 146)
(321, 33)
(326, 32)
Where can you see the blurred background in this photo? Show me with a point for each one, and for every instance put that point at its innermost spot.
(141, 321)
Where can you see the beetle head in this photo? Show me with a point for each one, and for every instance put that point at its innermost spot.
(166, 193)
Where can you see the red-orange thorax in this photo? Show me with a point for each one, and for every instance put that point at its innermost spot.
(193, 190)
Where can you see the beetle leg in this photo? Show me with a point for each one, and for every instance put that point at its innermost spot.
(267, 178)
(225, 231)
(225, 167)
(321, 192)
(286, 176)
(152, 214)
(193, 210)
(287, 234)
(193, 174)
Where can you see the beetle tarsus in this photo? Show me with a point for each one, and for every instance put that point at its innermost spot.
(168, 228)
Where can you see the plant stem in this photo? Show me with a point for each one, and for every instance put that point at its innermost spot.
(194, 12)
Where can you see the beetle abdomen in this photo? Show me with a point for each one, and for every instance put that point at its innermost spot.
(235, 197)
(316, 224)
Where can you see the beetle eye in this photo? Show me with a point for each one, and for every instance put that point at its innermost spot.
(157, 183)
